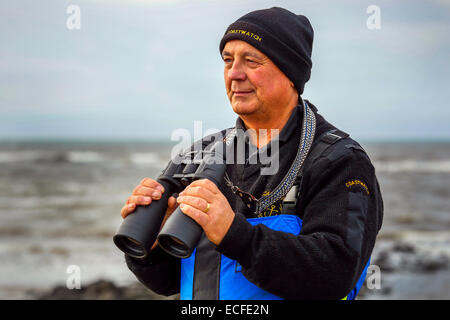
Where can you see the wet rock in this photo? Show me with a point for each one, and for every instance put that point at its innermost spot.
(403, 247)
(436, 263)
(366, 293)
(401, 256)
(101, 290)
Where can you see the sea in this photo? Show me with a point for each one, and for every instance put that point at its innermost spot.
(60, 206)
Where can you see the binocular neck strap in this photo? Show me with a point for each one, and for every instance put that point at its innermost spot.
(307, 138)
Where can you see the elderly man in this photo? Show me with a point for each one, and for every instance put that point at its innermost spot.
(305, 232)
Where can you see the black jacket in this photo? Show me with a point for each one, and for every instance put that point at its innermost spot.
(341, 207)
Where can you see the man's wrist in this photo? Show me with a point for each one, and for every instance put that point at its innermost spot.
(234, 243)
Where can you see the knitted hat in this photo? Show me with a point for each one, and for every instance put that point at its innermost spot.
(286, 38)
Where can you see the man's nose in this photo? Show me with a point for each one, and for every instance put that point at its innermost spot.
(236, 72)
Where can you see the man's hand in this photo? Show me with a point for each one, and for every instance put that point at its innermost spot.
(203, 202)
(143, 194)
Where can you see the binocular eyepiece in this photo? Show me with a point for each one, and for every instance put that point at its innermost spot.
(180, 234)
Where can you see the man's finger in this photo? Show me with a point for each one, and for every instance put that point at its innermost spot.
(147, 182)
(197, 215)
(196, 202)
(127, 209)
(140, 200)
(172, 203)
(205, 183)
(198, 191)
(146, 191)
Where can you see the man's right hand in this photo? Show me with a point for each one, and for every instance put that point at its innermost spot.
(143, 194)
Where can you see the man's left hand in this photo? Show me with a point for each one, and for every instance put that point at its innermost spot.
(206, 205)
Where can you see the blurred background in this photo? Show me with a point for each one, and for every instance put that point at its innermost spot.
(91, 93)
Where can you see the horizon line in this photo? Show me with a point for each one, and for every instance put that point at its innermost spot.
(44, 139)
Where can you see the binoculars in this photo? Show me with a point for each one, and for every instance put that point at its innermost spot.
(180, 234)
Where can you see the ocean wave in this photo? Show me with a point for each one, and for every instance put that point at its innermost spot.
(409, 165)
(22, 156)
(44, 156)
(84, 157)
(79, 157)
(145, 158)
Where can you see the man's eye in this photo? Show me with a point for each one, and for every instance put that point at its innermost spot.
(227, 60)
(252, 62)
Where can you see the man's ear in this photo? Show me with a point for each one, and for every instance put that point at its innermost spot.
(293, 87)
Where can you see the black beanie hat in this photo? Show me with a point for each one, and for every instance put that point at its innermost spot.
(286, 38)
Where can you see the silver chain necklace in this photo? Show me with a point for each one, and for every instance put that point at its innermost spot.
(307, 137)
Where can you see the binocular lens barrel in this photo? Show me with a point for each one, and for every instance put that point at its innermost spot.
(130, 246)
(180, 235)
(139, 230)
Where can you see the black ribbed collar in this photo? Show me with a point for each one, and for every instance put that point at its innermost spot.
(288, 129)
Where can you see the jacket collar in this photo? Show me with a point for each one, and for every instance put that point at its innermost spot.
(288, 129)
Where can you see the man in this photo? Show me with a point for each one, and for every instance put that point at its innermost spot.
(257, 244)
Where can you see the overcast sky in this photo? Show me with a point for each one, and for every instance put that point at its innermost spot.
(139, 69)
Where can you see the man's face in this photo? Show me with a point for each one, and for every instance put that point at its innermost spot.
(254, 84)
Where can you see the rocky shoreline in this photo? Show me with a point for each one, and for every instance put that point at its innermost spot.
(101, 290)
(405, 256)
(409, 272)
(395, 259)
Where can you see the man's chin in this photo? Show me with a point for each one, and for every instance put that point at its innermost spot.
(243, 109)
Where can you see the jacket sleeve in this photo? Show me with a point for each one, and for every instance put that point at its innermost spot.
(160, 272)
(342, 211)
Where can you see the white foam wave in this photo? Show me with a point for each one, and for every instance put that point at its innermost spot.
(144, 158)
(76, 156)
(84, 157)
(50, 156)
(431, 166)
(21, 156)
